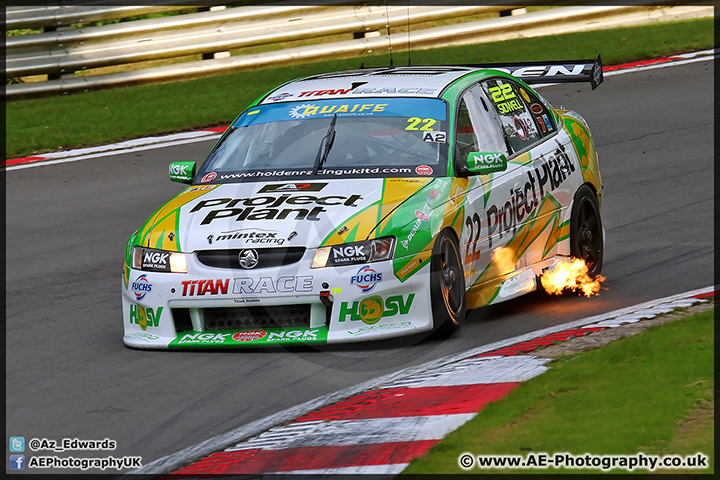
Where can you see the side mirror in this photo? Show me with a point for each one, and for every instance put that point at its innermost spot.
(482, 163)
(182, 172)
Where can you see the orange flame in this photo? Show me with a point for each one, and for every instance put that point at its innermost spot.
(503, 260)
(571, 274)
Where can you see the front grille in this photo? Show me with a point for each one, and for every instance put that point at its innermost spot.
(267, 257)
(257, 317)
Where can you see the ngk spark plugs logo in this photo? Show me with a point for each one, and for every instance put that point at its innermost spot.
(141, 287)
(366, 279)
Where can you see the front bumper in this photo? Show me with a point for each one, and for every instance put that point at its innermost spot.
(213, 307)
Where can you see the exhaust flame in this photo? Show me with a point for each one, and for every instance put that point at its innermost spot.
(503, 260)
(571, 274)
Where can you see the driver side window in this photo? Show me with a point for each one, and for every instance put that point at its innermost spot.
(477, 128)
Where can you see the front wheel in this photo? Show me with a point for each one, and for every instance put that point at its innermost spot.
(586, 236)
(447, 285)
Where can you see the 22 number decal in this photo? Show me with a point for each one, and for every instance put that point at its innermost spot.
(415, 121)
(501, 92)
(472, 253)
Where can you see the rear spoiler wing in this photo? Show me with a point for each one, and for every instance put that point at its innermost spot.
(551, 72)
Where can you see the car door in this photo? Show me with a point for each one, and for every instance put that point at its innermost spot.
(478, 130)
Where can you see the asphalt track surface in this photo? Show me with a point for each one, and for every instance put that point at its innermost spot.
(70, 376)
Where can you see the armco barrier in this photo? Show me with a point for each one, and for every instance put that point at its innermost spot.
(61, 53)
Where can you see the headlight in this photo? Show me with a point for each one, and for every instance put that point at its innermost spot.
(366, 251)
(152, 260)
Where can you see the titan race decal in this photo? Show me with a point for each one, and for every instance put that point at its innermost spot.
(285, 284)
(255, 337)
(201, 287)
(371, 309)
(247, 208)
(144, 316)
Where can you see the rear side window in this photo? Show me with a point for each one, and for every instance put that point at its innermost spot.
(518, 125)
(538, 110)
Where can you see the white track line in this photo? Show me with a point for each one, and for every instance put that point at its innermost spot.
(179, 459)
(147, 143)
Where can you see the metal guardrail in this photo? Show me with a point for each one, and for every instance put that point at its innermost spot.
(200, 33)
(63, 52)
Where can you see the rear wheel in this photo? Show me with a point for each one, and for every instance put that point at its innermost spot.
(586, 237)
(447, 285)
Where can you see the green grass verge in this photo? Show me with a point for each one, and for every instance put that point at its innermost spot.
(649, 393)
(100, 117)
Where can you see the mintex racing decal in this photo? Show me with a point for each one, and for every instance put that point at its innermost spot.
(250, 338)
(421, 108)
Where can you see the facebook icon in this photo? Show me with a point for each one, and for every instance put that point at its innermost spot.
(17, 462)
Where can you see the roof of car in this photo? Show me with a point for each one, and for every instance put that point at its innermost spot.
(387, 81)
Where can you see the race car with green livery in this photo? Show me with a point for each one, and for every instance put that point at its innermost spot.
(369, 204)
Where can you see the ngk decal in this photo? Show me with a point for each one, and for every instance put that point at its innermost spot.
(201, 287)
(284, 284)
(269, 204)
(178, 169)
(155, 260)
(204, 338)
(293, 335)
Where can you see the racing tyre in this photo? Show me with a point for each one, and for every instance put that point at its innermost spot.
(447, 286)
(586, 236)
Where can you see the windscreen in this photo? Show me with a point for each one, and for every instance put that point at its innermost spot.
(367, 137)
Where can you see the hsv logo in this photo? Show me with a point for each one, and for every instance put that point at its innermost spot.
(423, 170)
(366, 279)
(209, 177)
(201, 287)
(292, 187)
(141, 287)
(249, 335)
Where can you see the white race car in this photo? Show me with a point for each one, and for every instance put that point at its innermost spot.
(368, 204)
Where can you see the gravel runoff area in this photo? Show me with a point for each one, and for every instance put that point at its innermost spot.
(603, 337)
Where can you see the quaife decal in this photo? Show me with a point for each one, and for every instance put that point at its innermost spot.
(284, 284)
(366, 278)
(292, 187)
(372, 309)
(201, 287)
(548, 176)
(141, 287)
(145, 317)
(308, 110)
(271, 212)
